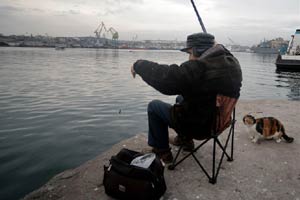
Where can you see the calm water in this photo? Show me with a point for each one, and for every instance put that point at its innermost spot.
(59, 109)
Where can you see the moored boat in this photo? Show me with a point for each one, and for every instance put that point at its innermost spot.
(291, 59)
(60, 47)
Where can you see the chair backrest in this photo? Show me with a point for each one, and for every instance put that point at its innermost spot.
(224, 109)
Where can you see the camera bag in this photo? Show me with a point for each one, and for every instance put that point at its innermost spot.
(123, 180)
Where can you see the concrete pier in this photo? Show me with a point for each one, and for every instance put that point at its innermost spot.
(267, 170)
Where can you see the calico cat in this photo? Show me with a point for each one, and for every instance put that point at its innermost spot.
(268, 127)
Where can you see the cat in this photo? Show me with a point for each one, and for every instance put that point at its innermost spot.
(266, 127)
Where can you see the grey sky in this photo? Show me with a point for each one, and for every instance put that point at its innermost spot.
(244, 21)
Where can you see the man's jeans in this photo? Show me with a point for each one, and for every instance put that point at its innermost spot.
(159, 119)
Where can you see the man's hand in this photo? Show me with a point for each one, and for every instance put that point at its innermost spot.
(133, 72)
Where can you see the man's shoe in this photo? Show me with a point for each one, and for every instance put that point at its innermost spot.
(164, 154)
(187, 144)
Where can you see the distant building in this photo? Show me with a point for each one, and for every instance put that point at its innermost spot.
(270, 46)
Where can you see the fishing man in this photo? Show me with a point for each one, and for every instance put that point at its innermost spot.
(210, 70)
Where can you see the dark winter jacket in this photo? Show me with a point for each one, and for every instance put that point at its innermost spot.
(217, 71)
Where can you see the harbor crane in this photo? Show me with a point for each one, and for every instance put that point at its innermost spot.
(98, 32)
(102, 28)
(99, 29)
(134, 38)
(115, 36)
(114, 33)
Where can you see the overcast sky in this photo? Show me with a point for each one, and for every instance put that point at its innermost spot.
(244, 21)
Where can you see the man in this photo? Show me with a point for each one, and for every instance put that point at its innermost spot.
(210, 70)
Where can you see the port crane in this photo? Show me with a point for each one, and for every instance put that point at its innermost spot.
(115, 36)
(114, 33)
(134, 38)
(101, 29)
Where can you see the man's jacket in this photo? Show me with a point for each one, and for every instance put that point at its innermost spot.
(217, 71)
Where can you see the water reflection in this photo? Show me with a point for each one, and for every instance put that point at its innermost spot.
(266, 58)
(290, 80)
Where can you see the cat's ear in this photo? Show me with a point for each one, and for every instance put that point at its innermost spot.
(257, 112)
(249, 115)
(244, 118)
(253, 119)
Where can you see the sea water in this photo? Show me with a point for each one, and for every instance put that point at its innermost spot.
(59, 109)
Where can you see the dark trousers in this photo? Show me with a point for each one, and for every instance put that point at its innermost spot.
(159, 119)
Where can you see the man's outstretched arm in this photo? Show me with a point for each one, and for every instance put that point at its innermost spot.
(167, 79)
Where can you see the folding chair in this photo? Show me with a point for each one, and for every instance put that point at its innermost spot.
(224, 118)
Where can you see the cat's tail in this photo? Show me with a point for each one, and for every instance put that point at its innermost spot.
(287, 138)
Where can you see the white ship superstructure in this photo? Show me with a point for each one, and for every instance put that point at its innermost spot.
(291, 59)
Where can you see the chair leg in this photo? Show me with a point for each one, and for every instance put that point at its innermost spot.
(232, 137)
(174, 164)
(215, 169)
(223, 150)
(213, 178)
(201, 166)
(230, 159)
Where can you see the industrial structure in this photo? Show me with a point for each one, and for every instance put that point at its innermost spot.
(103, 42)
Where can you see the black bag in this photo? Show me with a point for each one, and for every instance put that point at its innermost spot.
(125, 181)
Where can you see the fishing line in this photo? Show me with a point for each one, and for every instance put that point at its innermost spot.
(199, 18)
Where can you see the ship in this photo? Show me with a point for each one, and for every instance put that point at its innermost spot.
(290, 60)
(270, 46)
(60, 47)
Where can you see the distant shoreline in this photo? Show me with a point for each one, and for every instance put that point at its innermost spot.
(87, 42)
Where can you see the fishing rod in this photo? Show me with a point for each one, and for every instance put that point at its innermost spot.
(199, 18)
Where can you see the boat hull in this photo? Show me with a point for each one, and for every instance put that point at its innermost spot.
(290, 63)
